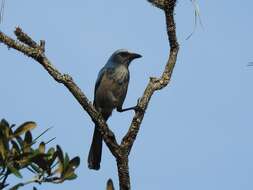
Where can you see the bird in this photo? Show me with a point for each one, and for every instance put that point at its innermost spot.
(109, 94)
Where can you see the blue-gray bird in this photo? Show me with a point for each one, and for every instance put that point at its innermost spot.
(110, 92)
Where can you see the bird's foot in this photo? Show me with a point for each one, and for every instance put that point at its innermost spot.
(138, 108)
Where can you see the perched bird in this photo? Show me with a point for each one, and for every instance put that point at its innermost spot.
(110, 92)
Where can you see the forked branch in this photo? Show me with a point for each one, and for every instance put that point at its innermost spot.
(36, 51)
(30, 48)
(155, 84)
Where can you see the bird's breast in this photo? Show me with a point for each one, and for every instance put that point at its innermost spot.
(120, 75)
(113, 87)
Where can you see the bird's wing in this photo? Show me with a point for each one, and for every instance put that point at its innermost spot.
(99, 78)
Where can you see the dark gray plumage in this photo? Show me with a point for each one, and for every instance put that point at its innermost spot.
(110, 92)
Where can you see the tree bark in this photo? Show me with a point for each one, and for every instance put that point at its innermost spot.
(123, 173)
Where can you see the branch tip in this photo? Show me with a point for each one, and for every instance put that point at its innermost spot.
(109, 185)
(24, 38)
(42, 45)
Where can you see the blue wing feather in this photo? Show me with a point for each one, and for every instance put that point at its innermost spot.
(99, 78)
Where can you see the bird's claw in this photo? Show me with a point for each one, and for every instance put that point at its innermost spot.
(138, 108)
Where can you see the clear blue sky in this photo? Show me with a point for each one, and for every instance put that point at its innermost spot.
(197, 133)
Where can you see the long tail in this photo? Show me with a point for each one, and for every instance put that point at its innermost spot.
(95, 153)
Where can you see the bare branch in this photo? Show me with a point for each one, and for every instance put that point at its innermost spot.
(22, 37)
(155, 83)
(121, 152)
(35, 51)
(38, 180)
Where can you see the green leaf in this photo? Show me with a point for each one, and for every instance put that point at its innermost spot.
(28, 137)
(52, 160)
(2, 149)
(61, 158)
(15, 147)
(66, 160)
(20, 141)
(4, 123)
(12, 126)
(14, 171)
(40, 160)
(2, 165)
(23, 159)
(70, 176)
(27, 143)
(27, 126)
(5, 130)
(74, 163)
(51, 151)
(17, 186)
(27, 148)
(60, 153)
(42, 147)
(70, 167)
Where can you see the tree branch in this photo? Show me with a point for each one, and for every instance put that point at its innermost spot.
(156, 83)
(121, 152)
(31, 49)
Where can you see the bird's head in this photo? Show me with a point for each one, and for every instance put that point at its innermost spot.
(123, 56)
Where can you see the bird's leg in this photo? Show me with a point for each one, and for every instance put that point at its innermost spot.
(126, 109)
(135, 108)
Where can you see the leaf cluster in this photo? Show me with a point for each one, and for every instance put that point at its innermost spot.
(18, 151)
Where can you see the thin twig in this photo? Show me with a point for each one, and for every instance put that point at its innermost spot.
(39, 180)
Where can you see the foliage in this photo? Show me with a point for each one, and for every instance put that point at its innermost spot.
(18, 152)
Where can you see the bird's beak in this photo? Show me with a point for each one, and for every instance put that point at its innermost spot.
(135, 56)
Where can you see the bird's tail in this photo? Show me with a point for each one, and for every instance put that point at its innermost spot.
(95, 153)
